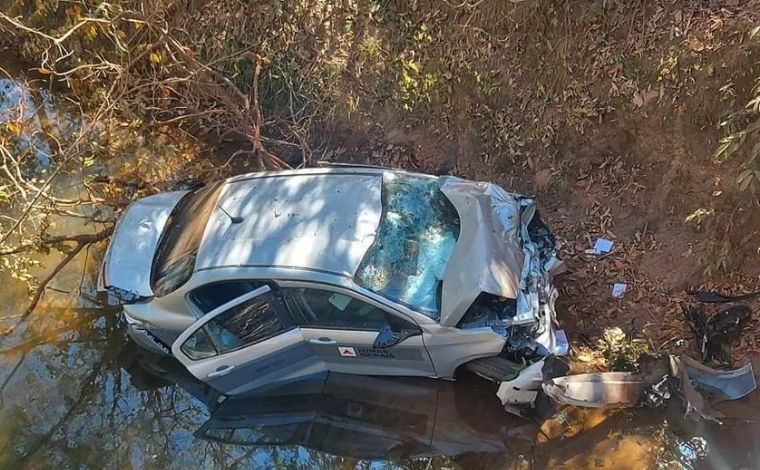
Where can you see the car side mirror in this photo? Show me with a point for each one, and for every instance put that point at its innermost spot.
(387, 337)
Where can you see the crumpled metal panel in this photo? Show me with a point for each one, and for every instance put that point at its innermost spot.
(597, 390)
(702, 386)
(487, 257)
(721, 385)
(495, 254)
(606, 389)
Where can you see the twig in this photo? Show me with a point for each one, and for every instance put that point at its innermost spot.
(257, 145)
(50, 276)
(55, 40)
(79, 239)
(81, 242)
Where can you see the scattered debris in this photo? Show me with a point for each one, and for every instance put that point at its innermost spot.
(546, 394)
(605, 389)
(618, 289)
(597, 390)
(694, 401)
(603, 245)
(715, 332)
(658, 394)
(530, 379)
(557, 401)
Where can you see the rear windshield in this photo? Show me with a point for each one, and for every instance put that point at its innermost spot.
(417, 233)
(175, 257)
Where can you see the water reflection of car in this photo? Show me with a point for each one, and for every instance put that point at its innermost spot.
(356, 416)
(363, 417)
(269, 277)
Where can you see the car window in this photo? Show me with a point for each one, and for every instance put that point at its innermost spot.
(199, 345)
(211, 296)
(241, 325)
(319, 308)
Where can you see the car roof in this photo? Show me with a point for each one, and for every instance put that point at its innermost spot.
(321, 220)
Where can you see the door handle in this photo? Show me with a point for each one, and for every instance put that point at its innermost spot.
(221, 371)
(322, 341)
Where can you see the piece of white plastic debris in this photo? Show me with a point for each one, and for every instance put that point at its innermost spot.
(529, 379)
(618, 289)
(562, 346)
(519, 397)
(603, 245)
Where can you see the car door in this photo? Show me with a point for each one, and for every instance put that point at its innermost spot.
(246, 343)
(341, 329)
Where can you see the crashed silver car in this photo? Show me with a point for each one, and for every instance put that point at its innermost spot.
(270, 277)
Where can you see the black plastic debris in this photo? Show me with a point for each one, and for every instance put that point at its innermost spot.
(658, 394)
(713, 297)
(716, 332)
(554, 367)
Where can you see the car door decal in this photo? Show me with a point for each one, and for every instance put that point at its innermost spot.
(365, 352)
(346, 351)
(383, 354)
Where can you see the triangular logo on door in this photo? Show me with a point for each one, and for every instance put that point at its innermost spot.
(346, 351)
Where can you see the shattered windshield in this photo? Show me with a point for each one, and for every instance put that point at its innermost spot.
(417, 233)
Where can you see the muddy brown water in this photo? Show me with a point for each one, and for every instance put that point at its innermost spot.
(75, 393)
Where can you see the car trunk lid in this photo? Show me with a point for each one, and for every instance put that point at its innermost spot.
(127, 265)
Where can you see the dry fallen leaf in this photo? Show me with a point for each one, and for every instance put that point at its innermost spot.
(638, 101)
(695, 44)
(649, 96)
(14, 127)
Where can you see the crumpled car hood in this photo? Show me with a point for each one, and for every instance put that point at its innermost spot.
(496, 255)
(487, 256)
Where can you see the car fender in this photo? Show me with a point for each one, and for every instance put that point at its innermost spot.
(449, 348)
